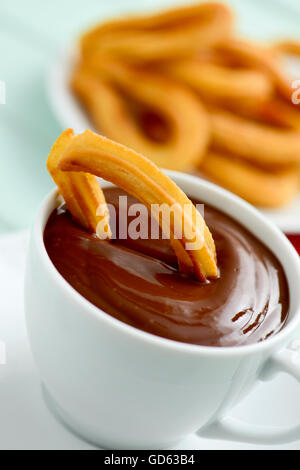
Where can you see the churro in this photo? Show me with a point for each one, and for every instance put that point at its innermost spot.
(81, 191)
(288, 46)
(213, 81)
(274, 112)
(117, 96)
(174, 33)
(256, 56)
(254, 141)
(259, 187)
(91, 153)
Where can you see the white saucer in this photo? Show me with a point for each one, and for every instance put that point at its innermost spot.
(25, 421)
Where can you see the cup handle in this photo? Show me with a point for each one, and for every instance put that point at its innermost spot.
(228, 428)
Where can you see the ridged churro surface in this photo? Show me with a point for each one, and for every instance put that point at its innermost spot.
(93, 154)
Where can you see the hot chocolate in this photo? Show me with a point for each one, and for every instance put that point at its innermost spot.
(137, 281)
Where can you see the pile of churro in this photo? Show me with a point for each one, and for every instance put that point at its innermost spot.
(183, 89)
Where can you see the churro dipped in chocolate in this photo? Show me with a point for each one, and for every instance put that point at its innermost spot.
(91, 154)
(137, 281)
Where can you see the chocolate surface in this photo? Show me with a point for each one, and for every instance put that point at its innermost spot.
(137, 281)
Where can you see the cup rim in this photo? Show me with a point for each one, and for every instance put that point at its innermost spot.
(216, 351)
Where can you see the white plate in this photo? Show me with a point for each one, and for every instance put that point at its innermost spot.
(25, 421)
(70, 114)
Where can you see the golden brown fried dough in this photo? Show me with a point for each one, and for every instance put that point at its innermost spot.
(261, 188)
(108, 93)
(218, 82)
(138, 176)
(81, 191)
(288, 46)
(250, 55)
(172, 33)
(254, 141)
(274, 112)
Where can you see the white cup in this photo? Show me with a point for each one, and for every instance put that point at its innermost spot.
(120, 387)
